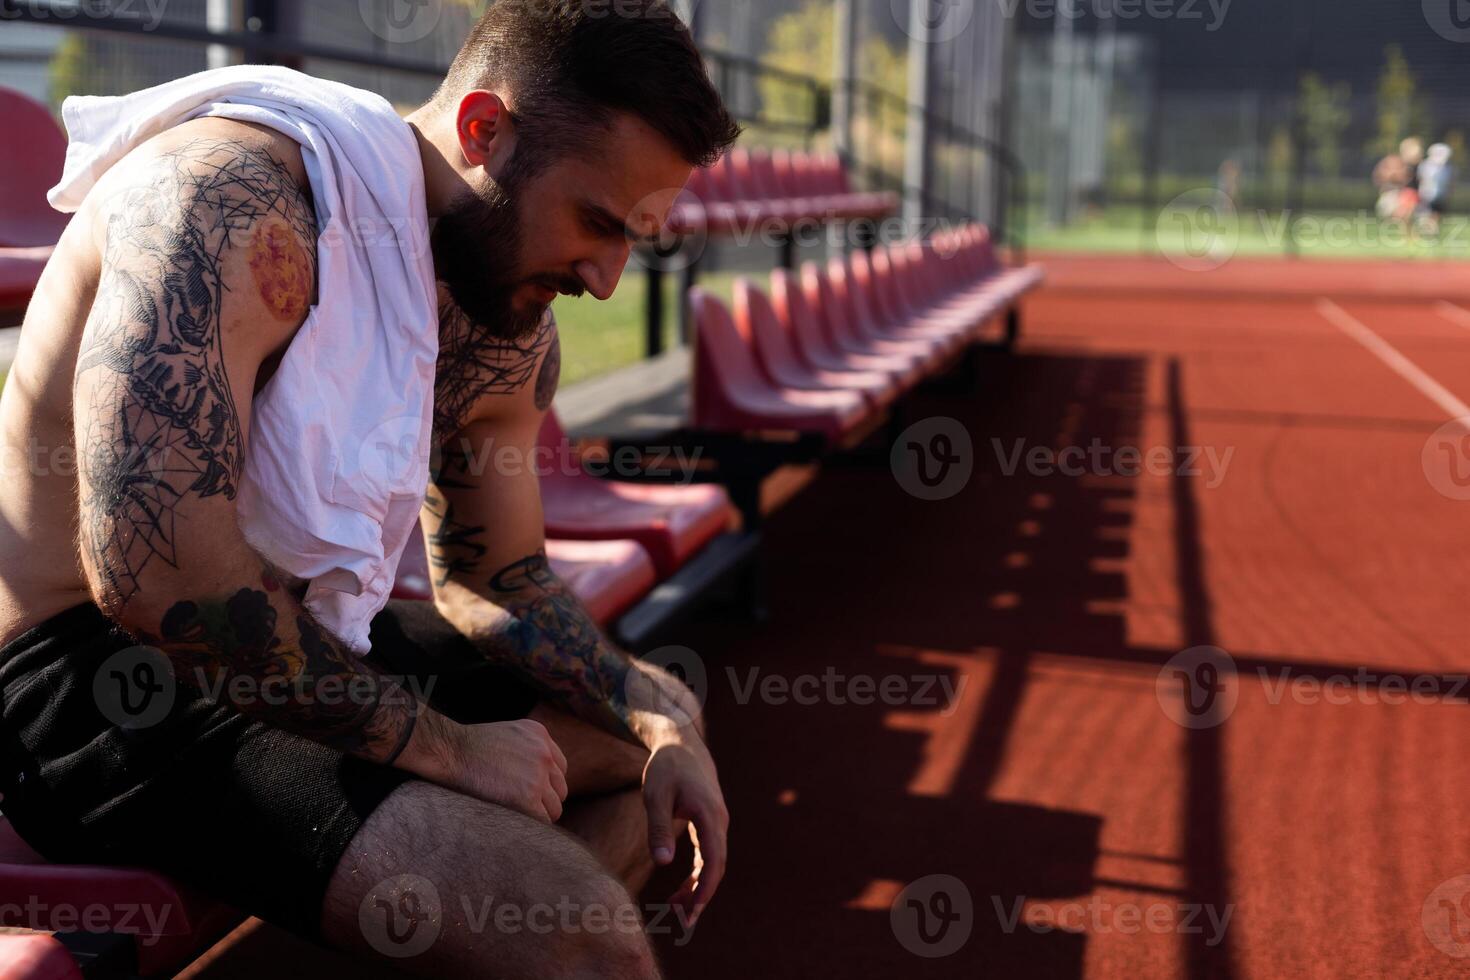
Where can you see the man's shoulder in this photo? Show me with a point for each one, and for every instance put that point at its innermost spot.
(484, 379)
(219, 207)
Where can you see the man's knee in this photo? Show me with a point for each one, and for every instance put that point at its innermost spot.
(602, 933)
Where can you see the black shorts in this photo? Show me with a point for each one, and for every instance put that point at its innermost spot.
(254, 816)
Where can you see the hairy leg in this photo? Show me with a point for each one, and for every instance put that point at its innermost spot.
(441, 885)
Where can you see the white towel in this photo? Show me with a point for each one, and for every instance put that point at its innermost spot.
(338, 454)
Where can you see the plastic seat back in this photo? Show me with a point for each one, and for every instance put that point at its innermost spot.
(784, 169)
(763, 180)
(31, 158)
(885, 300)
(849, 314)
(863, 284)
(756, 318)
(739, 174)
(723, 361)
(794, 313)
(720, 183)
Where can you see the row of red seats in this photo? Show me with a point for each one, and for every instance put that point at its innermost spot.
(832, 347)
(31, 158)
(750, 187)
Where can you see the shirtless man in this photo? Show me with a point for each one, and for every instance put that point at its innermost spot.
(159, 326)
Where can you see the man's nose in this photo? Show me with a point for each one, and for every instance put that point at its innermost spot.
(601, 274)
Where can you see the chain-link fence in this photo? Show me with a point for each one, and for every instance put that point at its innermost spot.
(1318, 149)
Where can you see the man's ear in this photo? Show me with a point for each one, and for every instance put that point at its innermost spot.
(484, 127)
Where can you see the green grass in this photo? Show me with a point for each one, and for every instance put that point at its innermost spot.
(598, 337)
(1194, 231)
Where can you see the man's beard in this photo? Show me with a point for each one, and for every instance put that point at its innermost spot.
(477, 254)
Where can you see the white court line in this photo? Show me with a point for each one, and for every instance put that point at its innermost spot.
(1391, 358)
(1455, 314)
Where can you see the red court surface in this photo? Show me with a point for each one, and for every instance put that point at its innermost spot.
(1297, 838)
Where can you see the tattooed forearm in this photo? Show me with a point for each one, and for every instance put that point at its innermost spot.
(454, 548)
(152, 351)
(233, 646)
(551, 636)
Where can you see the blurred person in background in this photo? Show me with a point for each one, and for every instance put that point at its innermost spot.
(1411, 151)
(1436, 179)
(1390, 177)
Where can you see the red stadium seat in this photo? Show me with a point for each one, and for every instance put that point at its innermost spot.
(745, 187)
(20, 270)
(31, 158)
(181, 922)
(610, 577)
(731, 395)
(607, 592)
(671, 522)
(775, 350)
(35, 957)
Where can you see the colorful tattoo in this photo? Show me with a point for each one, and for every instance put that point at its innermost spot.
(233, 647)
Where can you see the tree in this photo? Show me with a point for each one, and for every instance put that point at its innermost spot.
(1401, 111)
(1326, 112)
(804, 42)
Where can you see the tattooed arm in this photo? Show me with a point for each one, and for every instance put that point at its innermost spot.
(208, 267)
(486, 539)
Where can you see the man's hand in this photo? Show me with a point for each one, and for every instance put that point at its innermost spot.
(510, 763)
(680, 783)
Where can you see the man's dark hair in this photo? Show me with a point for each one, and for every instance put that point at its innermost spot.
(572, 64)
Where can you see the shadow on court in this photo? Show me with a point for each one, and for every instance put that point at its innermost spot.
(838, 806)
